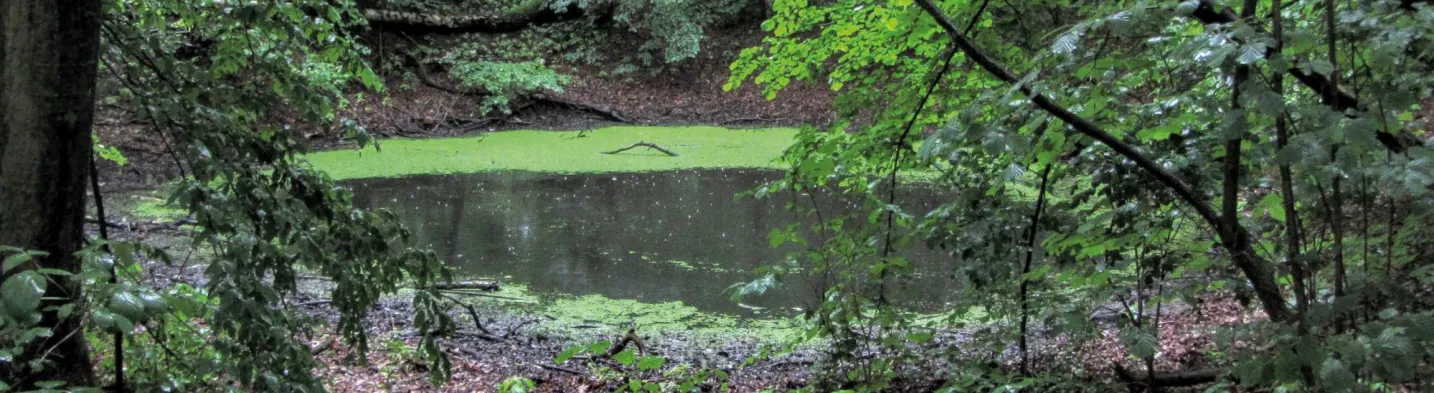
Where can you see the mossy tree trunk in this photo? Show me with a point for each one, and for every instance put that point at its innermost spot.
(49, 53)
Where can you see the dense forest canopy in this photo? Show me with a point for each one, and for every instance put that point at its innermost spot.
(1100, 165)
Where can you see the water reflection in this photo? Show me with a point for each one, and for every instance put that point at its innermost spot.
(654, 236)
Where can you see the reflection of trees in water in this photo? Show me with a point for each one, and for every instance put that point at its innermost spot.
(610, 234)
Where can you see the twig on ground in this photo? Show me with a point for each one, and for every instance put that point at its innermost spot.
(520, 326)
(561, 369)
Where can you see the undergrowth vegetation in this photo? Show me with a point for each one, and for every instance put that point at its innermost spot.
(1135, 159)
(1180, 152)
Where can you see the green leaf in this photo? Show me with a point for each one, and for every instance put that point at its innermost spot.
(626, 357)
(648, 363)
(1251, 53)
(127, 305)
(1275, 205)
(15, 260)
(32, 333)
(920, 337)
(22, 292)
(1159, 133)
(1187, 7)
(1068, 42)
(599, 347)
(1141, 344)
(53, 272)
(1252, 372)
(1335, 376)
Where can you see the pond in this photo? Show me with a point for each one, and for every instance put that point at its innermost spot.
(645, 236)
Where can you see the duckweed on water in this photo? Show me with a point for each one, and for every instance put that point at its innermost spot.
(567, 311)
(666, 317)
(563, 152)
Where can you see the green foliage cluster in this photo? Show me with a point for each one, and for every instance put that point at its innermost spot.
(517, 385)
(1083, 144)
(20, 310)
(504, 81)
(228, 88)
(670, 32)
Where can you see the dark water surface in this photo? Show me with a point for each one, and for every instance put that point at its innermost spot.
(651, 236)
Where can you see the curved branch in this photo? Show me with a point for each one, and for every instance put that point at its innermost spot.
(1256, 270)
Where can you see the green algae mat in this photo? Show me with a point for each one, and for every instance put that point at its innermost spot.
(562, 152)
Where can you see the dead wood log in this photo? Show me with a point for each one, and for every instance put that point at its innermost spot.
(643, 144)
(485, 286)
(434, 23)
(1172, 379)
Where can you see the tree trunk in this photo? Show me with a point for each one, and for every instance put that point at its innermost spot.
(48, 63)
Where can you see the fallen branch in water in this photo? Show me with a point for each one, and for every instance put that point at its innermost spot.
(480, 294)
(643, 144)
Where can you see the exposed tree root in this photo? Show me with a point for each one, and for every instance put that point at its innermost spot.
(643, 144)
(601, 111)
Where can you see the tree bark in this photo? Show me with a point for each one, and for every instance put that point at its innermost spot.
(49, 56)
